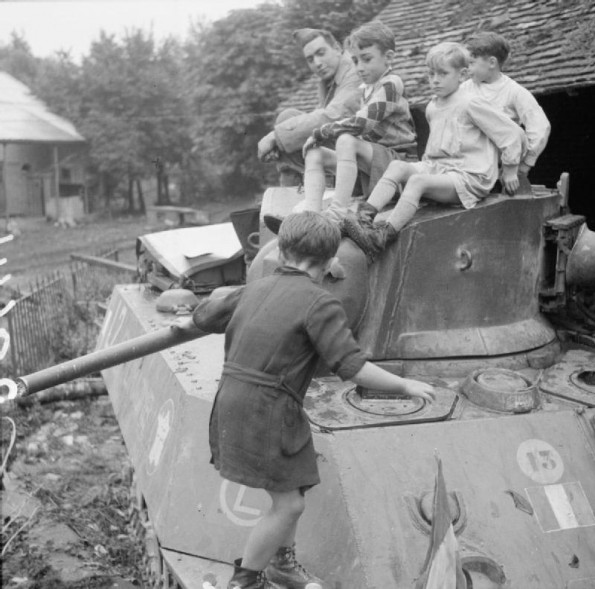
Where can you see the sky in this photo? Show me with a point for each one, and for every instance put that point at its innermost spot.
(50, 26)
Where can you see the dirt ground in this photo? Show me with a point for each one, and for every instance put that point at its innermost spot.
(65, 499)
(64, 494)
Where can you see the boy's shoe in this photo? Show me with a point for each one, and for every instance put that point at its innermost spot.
(371, 239)
(287, 572)
(273, 223)
(249, 579)
(366, 213)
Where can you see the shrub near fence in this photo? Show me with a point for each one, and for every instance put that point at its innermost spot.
(59, 319)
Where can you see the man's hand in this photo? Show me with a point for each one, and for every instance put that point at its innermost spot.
(416, 388)
(524, 169)
(510, 179)
(310, 144)
(266, 145)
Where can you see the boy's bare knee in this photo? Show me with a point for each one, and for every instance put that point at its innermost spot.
(416, 181)
(292, 504)
(395, 171)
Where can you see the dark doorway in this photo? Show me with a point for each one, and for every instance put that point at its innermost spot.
(571, 147)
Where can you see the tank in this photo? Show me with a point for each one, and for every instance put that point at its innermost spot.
(457, 301)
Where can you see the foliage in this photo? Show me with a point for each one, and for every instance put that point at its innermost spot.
(17, 60)
(238, 80)
(132, 107)
(338, 16)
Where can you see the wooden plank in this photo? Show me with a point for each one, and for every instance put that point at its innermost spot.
(104, 263)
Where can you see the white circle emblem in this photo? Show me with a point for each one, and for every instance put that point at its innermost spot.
(540, 461)
(235, 510)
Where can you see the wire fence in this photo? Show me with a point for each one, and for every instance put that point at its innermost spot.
(59, 316)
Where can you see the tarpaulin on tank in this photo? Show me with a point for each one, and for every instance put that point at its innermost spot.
(187, 251)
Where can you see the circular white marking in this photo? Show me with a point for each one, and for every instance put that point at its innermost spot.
(165, 418)
(540, 461)
(250, 516)
(11, 385)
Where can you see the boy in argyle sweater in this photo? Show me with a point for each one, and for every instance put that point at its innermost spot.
(380, 131)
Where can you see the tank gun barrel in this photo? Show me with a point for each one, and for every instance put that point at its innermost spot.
(132, 349)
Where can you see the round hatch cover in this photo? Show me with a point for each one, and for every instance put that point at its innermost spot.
(385, 406)
(501, 390)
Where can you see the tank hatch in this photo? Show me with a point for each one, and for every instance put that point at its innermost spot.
(336, 405)
(500, 389)
(572, 379)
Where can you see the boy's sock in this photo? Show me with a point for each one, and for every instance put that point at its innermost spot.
(314, 186)
(383, 192)
(345, 178)
(403, 212)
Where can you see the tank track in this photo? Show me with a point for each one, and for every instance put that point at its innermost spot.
(154, 570)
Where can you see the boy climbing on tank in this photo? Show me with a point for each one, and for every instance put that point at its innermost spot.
(489, 52)
(460, 164)
(276, 331)
(379, 132)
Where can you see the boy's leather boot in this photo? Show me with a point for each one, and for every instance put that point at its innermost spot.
(373, 239)
(366, 213)
(286, 571)
(248, 579)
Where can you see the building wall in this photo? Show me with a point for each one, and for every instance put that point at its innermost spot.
(30, 176)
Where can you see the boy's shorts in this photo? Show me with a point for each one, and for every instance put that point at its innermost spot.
(470, 188)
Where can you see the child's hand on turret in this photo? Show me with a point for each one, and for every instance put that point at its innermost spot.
(416, 388)
(510, 179)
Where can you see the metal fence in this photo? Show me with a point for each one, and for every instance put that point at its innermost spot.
(31, 321)
(59, 316)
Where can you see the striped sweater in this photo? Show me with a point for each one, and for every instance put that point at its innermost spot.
(383, 118)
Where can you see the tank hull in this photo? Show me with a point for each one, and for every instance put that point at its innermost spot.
(364, 527)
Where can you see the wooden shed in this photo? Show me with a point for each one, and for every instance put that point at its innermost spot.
(552, 55)
(41, 156)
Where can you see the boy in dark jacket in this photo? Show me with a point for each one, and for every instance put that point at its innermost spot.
(276, 331)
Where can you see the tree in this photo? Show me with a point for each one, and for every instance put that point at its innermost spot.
(134, 111)
(340, 17)
(17, 60)
(239, 70)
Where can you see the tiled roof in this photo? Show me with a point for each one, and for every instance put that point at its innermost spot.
(548, 51)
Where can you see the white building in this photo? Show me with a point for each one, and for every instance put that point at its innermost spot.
(41, 157)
